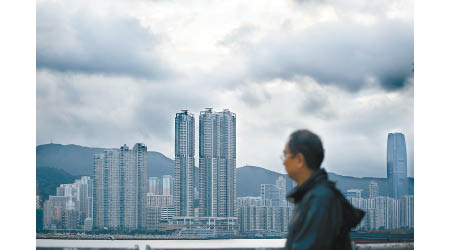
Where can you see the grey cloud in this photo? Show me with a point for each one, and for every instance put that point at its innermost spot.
(107, 111)
(84, 42)
(379, 8)
(254, 97)
(369, 127)
(319, 106)
(72, 109)
(314, 104)
(157, 110)
(345, 54)
(238, 35)
(383, 115)
(310, 1)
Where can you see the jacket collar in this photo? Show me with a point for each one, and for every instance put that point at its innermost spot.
(352, 216)
(298, 192)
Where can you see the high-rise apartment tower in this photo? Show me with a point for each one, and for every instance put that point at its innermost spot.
(217, 163)
(119, 188)
(184, 164)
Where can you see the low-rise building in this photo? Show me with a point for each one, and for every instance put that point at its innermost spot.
(206, 226)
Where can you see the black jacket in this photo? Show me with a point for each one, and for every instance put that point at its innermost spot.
(322, 218)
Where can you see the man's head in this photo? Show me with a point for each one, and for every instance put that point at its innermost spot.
(303, 154)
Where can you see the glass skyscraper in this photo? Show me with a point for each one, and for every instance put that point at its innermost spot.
(396, 165)
(184, 164)
(217, 163)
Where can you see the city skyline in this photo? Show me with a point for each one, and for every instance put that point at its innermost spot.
(345, 71)
(124, 198)
(266, 213)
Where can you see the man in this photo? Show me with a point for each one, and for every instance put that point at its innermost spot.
(322, 218)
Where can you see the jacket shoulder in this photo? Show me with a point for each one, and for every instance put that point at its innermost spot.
(323, 191)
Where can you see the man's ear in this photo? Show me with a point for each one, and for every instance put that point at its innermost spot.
(301, 160)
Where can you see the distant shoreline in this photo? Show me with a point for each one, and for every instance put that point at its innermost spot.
(360, 237)
(61, 236)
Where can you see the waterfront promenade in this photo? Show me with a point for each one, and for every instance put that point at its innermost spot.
(243, 244)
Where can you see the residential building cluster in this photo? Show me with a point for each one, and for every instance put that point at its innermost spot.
(122, 198)
(395, 210)
(267, 214)
(383, 212)
(71, 208)
(160, 206)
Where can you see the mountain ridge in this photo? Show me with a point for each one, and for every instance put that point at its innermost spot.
(77, 160)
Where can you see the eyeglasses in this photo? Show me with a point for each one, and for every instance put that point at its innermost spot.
(283, 156)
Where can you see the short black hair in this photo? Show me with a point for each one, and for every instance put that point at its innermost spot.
(309, 144)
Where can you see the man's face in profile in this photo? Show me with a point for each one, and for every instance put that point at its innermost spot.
(290, 163)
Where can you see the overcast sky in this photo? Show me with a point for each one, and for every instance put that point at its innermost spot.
(116, 72)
